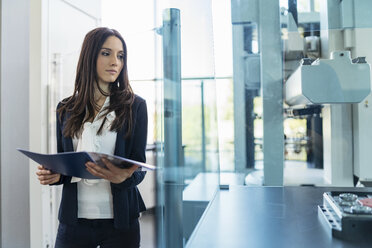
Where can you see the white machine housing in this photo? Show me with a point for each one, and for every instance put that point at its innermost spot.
(334, 80)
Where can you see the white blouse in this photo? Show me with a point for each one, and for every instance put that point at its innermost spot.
(94, 196)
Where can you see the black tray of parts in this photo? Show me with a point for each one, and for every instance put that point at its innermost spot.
(347, 215)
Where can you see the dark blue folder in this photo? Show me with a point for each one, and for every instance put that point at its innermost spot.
(73, 163)
(67, 163)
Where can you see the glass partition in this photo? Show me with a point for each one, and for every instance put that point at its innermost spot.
(187, 147)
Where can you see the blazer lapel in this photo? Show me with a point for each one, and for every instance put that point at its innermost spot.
(69, 144)
(120, 144)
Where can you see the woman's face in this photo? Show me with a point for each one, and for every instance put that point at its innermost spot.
(110, 60)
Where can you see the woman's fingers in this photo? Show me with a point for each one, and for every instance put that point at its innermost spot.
(49, 179)
(133, 168)
(43, 172)
(46, 176)
(112, 173)
(119, 174)
(113, 167)
(97, 170)
(109, 165)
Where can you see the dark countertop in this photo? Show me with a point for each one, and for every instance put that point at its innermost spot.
(267, 217)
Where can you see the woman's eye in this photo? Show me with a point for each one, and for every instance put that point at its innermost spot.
(120, 56)
(105, 53)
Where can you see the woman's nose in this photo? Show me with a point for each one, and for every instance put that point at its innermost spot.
(114, 60)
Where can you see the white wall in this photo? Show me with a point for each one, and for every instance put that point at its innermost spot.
(14, 119)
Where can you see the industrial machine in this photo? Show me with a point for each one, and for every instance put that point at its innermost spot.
(339, 80)
(325, 71)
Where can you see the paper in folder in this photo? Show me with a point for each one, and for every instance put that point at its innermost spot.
(73, 163)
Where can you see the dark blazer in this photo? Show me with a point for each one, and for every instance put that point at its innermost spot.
(127, 201)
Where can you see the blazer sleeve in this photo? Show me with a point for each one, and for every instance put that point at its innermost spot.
(138, 151)
(63, 179)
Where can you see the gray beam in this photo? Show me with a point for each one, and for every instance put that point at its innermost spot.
(272, 92)
(243, 14)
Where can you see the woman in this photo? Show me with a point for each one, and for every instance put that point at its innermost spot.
(102, 115)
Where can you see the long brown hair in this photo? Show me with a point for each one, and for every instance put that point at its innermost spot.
(121, 94)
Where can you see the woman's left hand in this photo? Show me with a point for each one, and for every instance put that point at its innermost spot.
(112, 173)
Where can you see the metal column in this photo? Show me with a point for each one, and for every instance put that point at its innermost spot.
(173, 158)
(244, 18)
(272, 92)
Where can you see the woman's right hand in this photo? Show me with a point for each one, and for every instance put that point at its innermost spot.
(46, 176)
